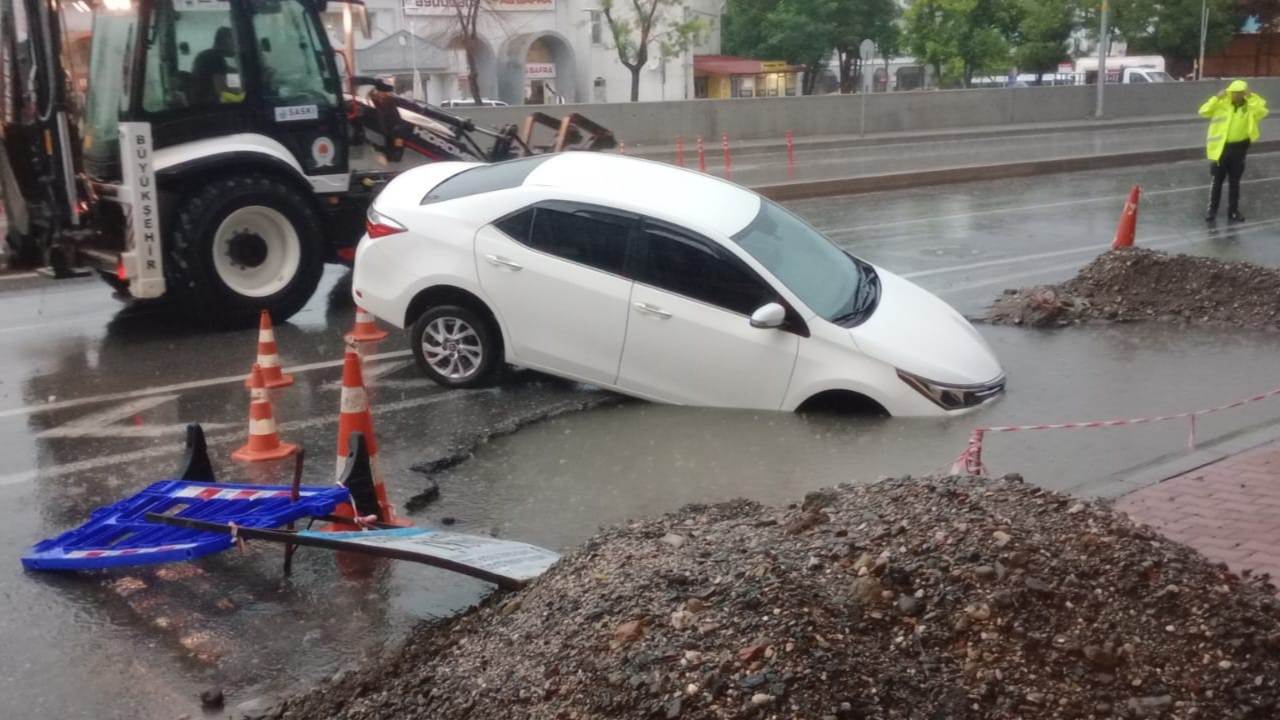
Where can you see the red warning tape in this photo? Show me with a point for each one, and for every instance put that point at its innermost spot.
(970, 461)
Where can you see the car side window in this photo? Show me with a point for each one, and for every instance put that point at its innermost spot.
(517, 225)
(584, 236)
(696, 268)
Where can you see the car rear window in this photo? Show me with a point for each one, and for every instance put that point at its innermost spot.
(485, 178)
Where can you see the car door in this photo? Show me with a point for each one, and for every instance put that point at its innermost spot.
(689, 339)
(555, 273)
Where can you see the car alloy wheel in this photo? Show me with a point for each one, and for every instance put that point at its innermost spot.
(452, 348)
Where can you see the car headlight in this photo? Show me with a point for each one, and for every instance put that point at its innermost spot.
(954, 397)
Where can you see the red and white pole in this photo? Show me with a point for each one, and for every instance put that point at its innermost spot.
(702, 156)
(728, 159)
(680, 151)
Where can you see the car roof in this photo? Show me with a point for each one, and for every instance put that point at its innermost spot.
(617, 180)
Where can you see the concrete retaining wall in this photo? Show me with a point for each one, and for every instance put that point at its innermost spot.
(658, 123)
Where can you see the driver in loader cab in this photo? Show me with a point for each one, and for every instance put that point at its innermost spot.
(210, 70)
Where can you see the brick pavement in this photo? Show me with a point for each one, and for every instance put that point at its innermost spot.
(1229, 511)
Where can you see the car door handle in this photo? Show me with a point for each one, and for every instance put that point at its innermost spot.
(500, 261)
(648, 309)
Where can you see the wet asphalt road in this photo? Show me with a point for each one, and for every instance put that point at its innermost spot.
(93, 398)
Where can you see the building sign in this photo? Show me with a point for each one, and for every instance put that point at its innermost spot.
(450, 7)
(536, 71)
(770, 66)
(1064, 68)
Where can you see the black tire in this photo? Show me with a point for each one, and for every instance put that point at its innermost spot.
(192, 271)
(24, 251)
(478, 373)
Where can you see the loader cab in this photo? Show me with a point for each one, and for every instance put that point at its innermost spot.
(215, 78)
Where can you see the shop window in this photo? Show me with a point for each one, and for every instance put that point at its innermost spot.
(744, 86)
(700, 87)
(599, 92)
(791, 83)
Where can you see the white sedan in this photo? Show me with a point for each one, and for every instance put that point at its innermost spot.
(657, 282)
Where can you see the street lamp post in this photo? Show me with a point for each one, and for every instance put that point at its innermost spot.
(1102, 59)
(1204, 32)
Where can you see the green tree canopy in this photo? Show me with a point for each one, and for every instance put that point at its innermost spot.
(1044, 28)
(962, 38)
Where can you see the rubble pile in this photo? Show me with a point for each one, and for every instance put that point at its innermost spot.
(932, 598)
(1138, 284)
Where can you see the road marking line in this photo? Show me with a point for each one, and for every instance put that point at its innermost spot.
(176, 387)
(170, 450)
(952, 289)
(102, 424)
(1146, 242)
(19, 276)
(1024, 208)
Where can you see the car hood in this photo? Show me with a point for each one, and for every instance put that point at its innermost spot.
(914, 330)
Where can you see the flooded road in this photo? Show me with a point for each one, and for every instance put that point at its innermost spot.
(93, 401)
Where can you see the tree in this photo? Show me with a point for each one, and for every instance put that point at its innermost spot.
(639, 24)
(800, 33)
(1171, 28)
(1044, 29)
(797, 31)
(965, 37)
(744, 28)
(854, 21)
(467, 14)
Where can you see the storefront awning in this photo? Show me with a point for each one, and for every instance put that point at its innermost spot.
(729, 65)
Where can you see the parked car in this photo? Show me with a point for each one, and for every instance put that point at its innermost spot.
(654, 281)
(466, 103)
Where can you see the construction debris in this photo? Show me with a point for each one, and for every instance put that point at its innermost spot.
(1137, 284)
(947, 597)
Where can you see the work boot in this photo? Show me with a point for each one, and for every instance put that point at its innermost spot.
(1235, 216)
(1211, 215)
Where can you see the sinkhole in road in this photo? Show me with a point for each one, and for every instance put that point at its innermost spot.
(555, 482)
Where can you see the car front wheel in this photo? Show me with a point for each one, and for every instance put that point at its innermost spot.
(456, 346)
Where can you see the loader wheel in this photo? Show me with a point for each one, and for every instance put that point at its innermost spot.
(241, 244)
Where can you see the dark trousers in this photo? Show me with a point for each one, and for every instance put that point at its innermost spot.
(1229, 167)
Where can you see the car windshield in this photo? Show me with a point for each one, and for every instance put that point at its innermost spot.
(822, 275)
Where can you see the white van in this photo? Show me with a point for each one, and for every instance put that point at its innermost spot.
(465, 103)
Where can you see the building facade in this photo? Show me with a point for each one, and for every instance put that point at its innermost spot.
(527, 51)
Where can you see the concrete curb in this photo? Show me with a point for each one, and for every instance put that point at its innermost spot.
(1167, 467)
(804, 189)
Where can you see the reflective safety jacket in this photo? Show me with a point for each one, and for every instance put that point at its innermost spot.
(1219, 111)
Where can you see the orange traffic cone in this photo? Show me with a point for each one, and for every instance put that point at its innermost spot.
(354, 416)
(268, 357)
(264, 442)
(366, 329)
(1128, 224)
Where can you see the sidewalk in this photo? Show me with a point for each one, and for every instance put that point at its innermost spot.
(1230, 510)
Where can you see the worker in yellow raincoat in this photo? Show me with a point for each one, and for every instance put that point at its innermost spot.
(1233, 116)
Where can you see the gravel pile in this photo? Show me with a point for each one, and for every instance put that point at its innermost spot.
(936, 598)
(1137, 284)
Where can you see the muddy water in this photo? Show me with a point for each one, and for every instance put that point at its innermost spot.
(555, 482)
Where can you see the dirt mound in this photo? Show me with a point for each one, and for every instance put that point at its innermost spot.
(1138, 284)
(938, 598)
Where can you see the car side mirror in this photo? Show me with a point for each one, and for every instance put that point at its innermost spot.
(769, 316)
